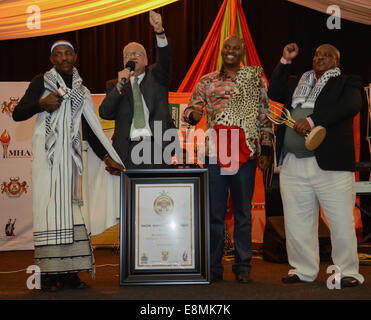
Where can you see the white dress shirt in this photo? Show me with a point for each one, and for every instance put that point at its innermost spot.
(136, 134)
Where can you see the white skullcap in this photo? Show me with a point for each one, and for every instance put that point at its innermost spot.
(61, 43)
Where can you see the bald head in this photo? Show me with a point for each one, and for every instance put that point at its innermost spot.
(232, 52)
(134, 45)
(333, 50)
(135, 52)
(235, 39)
(325, 58)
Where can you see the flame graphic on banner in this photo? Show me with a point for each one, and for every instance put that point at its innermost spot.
(5, 140)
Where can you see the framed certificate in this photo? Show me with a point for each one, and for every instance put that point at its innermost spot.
(164, 227)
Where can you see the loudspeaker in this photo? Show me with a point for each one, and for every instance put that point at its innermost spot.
(274, 241)
(273, 202)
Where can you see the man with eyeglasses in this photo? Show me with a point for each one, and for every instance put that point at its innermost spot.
(136, 100)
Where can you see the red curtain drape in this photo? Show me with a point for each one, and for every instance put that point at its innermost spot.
(206, 59)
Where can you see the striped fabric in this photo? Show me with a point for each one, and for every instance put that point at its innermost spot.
(75, 99)
(63, 153)
(75, 257)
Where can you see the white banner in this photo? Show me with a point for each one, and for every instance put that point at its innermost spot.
(16, 221)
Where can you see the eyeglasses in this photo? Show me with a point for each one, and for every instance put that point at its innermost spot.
(135, 53)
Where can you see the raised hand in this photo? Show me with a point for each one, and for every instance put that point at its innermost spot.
(155, 20)
(290, 51)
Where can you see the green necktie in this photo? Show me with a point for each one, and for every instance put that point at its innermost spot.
(138, 106)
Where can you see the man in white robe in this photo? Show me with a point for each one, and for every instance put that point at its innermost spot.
(62, 216)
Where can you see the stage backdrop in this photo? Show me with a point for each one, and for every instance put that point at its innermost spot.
(16, 221)
(15, 173)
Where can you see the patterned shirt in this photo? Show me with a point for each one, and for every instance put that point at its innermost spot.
(213, 92)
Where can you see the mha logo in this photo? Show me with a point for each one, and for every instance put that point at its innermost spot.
(12, 153)
(8, 107)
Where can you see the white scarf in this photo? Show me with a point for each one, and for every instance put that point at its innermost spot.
(62, 125)
(308, 90)
(57, 154)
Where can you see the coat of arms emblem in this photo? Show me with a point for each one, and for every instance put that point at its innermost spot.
(163, 204)
(144, 258)
(165, 255)
(14, 188)
(8, 107)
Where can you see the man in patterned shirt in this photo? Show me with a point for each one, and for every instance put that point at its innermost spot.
(236, 103)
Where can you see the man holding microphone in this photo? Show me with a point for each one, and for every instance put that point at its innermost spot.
(137, 99)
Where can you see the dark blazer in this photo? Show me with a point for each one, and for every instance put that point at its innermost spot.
(154, 88)
(337, 104)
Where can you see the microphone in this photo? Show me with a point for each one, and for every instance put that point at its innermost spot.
(131, 66)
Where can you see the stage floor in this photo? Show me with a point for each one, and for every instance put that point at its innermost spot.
(266, 283)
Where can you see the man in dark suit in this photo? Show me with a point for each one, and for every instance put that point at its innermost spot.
(325, 176)
(140, 106)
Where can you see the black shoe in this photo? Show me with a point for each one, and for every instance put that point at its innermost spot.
(49, 283)
(348, 282)
(291, 278)
(72, 280)
(243, 277)
(215, 277)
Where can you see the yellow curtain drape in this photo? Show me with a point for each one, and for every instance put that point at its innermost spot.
(29, 18)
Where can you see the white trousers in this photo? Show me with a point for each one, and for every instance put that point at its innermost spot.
(304, 186)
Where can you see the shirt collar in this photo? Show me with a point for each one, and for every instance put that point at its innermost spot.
(140, 78)
(224, 75)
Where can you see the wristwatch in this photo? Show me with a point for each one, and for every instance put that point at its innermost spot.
(161, 32)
